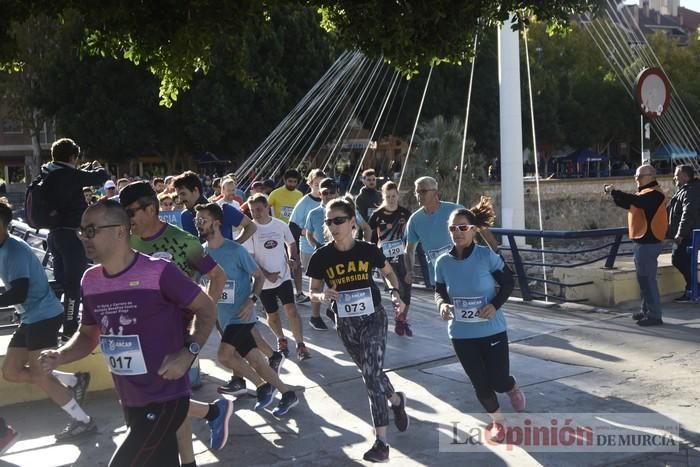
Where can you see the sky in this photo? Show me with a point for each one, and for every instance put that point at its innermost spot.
(690, 4)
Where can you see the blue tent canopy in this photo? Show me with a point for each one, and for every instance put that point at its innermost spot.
(673, 152)
(584, 156)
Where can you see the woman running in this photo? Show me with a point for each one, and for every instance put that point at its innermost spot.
(471, 284)
(388, 223)
(345, 265)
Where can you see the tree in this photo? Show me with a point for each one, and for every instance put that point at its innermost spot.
(177, 41)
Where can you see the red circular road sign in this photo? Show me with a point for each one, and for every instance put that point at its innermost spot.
(652, 92)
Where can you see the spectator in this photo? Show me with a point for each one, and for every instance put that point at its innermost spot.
(158, 185)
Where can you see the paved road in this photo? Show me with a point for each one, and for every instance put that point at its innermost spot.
(572, 359)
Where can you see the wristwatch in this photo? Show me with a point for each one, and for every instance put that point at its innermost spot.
(193, 348)
(253, 298)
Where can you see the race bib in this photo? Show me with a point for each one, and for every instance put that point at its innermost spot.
(433, 255)
(287, 211)
(229, 293)
(123, 355)
(467, 309)
(393, 248)
(355, 303)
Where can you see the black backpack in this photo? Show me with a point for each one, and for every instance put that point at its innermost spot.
(39, 212)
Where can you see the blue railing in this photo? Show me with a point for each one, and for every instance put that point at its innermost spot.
(610, 250)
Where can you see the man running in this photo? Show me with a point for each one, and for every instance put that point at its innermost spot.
(41, 316)
(236, 314)
(136, 307)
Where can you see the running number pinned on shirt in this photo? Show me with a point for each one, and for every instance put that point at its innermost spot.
(355, 303)
(123, 355)
(466, 309)
(393, 248)
(229, 293)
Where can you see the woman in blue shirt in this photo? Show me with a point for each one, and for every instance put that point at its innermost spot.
(471, 284)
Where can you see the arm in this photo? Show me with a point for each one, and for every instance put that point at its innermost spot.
(81, 344)
(318, 294)
(366, 232)
(94, 177)
(217, 282)
(408, 261)
(249, 229)
(442, 300)
(388, 273)
(310, 237)
(16, 294)
(506, 283)
(247, 309)
(293, 255)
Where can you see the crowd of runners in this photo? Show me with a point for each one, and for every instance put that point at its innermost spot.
(170, 264)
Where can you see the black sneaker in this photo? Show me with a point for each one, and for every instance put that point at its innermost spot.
(75, 429)
(378, 453)
(301, 298)
(289, 400)
(235, 387)
(317, 323)
(80, 389)
(685, 298)
(638, 315)
(303, 352)
(400, 416)
(276, 361)
(646, 322)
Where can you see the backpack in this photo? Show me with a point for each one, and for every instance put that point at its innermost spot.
(39, 213)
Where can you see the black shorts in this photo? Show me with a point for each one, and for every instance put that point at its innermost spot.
(240, 337)
(151, 439)
(37, 336)
(285, 292)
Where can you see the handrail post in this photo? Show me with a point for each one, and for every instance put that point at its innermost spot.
(519, 270)
(610, 262)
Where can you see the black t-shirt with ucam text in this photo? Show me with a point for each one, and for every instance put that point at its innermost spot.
(348, 270)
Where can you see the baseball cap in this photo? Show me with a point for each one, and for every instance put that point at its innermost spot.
(328, 183)
(269, 183)
(136, 190)
(257, 184)
(110, 184)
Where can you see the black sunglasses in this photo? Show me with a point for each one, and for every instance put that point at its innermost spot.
(131, 212)
(340, 220)
(91, 230)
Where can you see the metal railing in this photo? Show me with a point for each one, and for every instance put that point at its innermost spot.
(610, 250)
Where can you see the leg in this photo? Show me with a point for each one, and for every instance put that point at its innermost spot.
(261, 343)
(680, 258)
(496, 356)
(641, 278)
(74, 265)
(258, 361)
(469, 354)
(294, 322)
(268, 298)
(229, 357)
(649, 260)
(183, 434)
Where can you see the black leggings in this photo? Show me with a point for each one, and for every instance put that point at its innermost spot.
(151, 439)
(486, 361)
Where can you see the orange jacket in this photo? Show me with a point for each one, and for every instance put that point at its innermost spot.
(647, 217)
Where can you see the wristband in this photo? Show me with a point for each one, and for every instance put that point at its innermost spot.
(392, 289)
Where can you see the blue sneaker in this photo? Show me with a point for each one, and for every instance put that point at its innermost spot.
(219, 426)
(266, 394)
(289, 400)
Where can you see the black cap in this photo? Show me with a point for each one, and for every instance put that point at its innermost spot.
(135, 191)
(328, 183)
(257, 184)
(269, 183)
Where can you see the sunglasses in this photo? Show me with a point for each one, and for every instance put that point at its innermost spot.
(91, 230)
(462, 228)
(328, 192)
(131, 212)
(340, 220)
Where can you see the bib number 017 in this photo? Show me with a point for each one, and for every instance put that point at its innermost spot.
(120, 363)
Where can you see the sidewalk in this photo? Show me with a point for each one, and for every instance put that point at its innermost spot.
(567, 359)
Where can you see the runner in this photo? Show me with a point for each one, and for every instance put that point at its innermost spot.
(236, 314)
(471, 285)
(297, 221)
(282, 201)
(130, 300)
(388, 224)
(41, 316)
(267, 246)
(151, 236)
(345, 265)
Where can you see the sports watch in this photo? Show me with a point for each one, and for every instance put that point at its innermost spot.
(193, 348)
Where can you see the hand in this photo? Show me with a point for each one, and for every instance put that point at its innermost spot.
(447, 311)
(293, 264)
(175, 365)
(330, 294)
(247, 310)
(399, 305)
(272, 276)
(487, 312)
(408, 278)
(608, 188)
(49, 360)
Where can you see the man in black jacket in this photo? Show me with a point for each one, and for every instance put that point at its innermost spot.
(683, 217)
(65, 184)
(369, 198)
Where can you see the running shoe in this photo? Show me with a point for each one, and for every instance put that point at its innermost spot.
(638, 315)
(399, 328)
(289, 400)
(283, 346)
(496, 432)
(407, 329)
(275, 361)
(401, 419)
(219, 426)
(74, 429)
(266, 394)
(303, 352)
(685, 298)
(301, 298)
(317, 323)
(8, 439)
(80, 389)
(379, 452)
(235, 387)
(517, 399)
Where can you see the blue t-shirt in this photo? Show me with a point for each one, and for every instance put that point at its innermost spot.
(431, 230)
(17, 261)
(314, 223)
(299, 215)
(232, 218)
(239, 267)
(471, 278)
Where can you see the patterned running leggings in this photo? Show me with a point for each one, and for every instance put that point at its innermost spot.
(365, 340)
